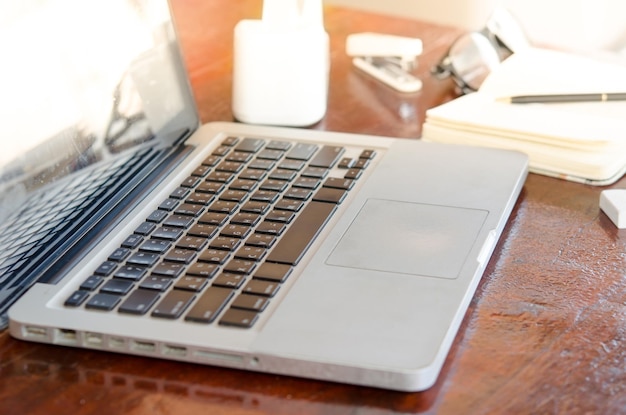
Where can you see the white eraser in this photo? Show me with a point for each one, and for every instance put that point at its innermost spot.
(613, 203)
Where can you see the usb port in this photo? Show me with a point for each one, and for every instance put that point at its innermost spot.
(65, 336)
(34, 332)
(94, 339)
(174, 351)
(144, 347)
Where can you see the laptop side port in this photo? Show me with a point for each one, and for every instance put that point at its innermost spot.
(65, 336)
(174, 351)
(35, 333)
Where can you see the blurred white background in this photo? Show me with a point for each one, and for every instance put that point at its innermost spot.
(571, 24)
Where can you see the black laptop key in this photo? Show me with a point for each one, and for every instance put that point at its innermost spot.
(167, 233)
(330, 195)
(239, 157)
(143, 259)
(302, 151)
(169, 204)
(281, 216)
(168, 269)
(103, 301)
(284, 175)
(179, 193)
(247, 219)
(229, 280)
(192, 242)
(106, 268)
(232, 195)
(155, 245)
(191, 283)
(310, 183)
(201, 171)
(173, 304)
(139, 301)
(211, 161)
(117, 286)
(253, 174)
(156, 282)
(215, 256)
(291, 164)
(251, 253)
(223, 206)
(250, 145)
(361, 163)
(315, 172)
(270, 154)
(77, 298)
(240, 266)
(279, 145)
(304, 229)
(119, 254)
(271, 228)
(367, 154)
(239, 318)
(250, 302)
(273, 272)
(261, 240)
(199, 198)
(178, 221)
(179, 255)
(91, 283)
(202, 230)
(132, 241)
(130, 272)
(210, 187)
(230, 141)
(261, 287)
(191, 181)
(327, 156)
(189, 209)
(245, 185)
(235, 231)
(203, 269)
(145, 228)
(209, 305)
(353, 174)
(229, 166)
(220, 177)
(337, 183)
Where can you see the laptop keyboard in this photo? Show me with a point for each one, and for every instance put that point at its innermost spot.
(47, 220)
(219, 248)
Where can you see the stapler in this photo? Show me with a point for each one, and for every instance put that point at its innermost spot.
(387, 58)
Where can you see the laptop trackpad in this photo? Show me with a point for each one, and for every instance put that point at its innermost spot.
(409, 238)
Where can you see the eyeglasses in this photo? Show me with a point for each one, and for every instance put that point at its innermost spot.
(474, 55)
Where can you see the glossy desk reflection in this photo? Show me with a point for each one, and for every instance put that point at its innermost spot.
(544, 332)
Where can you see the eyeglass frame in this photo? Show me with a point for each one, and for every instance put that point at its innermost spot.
(502, 49)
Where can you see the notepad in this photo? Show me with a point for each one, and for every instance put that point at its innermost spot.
(583, 142)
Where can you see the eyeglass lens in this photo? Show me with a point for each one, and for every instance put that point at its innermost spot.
(474, 55)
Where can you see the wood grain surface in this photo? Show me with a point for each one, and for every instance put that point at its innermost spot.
(545, 332)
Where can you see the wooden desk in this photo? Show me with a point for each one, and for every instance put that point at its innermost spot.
(545, 332)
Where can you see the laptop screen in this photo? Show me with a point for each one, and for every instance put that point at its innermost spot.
(77, 91)
(87, 105)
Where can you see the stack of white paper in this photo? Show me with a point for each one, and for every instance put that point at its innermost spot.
(583, 141)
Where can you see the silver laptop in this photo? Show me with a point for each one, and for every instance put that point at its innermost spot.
(129, 228)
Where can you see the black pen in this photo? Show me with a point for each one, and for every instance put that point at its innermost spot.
(556, 98)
